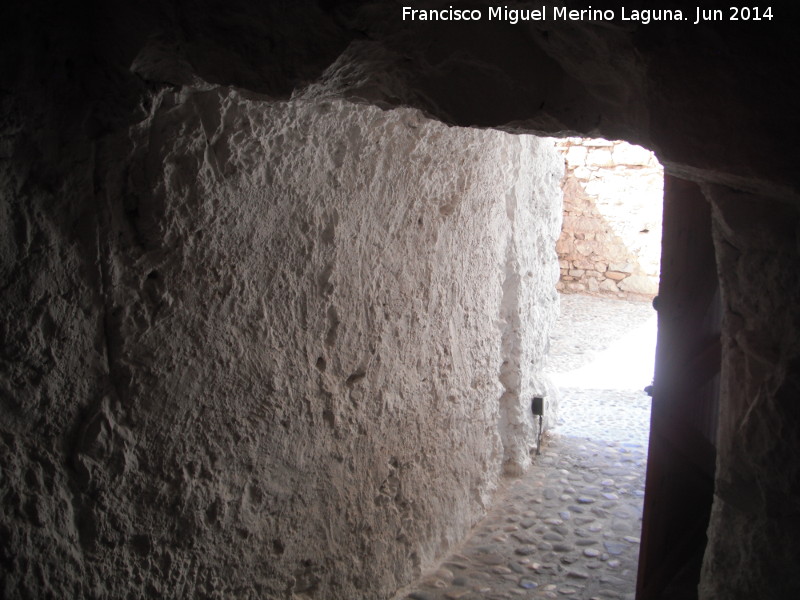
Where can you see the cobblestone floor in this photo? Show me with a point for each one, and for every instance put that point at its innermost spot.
(570, 527)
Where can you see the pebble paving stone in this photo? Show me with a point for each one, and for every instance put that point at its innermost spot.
(570, 527)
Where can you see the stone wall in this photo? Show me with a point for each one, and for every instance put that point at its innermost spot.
(610, 242)
(757, 491)
(265, 350)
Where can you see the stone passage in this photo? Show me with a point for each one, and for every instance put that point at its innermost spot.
(610, 241)
(283, 324)
(570, 527)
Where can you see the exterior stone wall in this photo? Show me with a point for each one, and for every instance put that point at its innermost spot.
(610, 243)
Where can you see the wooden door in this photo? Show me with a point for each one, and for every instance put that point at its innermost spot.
(680, 471)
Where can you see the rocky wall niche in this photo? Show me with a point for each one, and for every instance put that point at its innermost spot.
(310, 335)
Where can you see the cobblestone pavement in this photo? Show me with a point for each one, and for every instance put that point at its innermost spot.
(570, 527)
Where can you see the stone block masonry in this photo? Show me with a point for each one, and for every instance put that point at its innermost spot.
(610, 242)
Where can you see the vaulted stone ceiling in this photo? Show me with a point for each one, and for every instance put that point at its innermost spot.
(715, 100)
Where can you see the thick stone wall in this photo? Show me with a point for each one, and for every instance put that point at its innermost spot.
(757, 491)
(610, 243)
(689, 92)
(267, 350)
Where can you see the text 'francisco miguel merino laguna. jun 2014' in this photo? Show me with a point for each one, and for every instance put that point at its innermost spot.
(561, 13)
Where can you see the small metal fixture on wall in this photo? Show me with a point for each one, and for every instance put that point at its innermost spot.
(537, 408)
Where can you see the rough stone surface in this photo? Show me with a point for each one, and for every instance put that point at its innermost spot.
(757, 490)
(716, 102)
(528, 310)
(610, 241)
(288, 352)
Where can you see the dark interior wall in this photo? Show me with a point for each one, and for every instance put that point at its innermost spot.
(715, 101)
(755, 519)
(264, 358)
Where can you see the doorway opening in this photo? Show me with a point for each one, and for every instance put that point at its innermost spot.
(602, 353)
(571, 525)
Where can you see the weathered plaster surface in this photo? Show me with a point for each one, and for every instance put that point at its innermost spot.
(268, 361)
